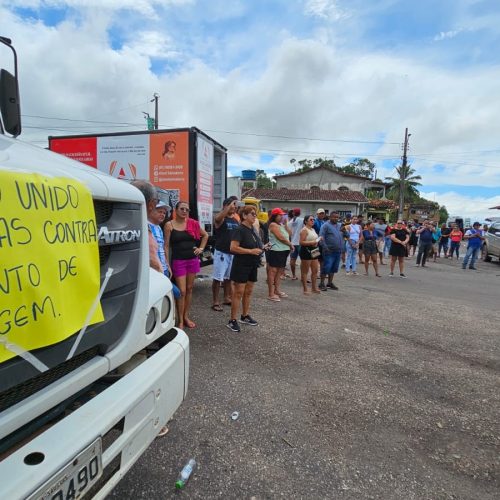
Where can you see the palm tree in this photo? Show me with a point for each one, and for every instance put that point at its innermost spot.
(405, 181)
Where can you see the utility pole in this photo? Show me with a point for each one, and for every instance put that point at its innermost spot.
(155, 99)
(403, 174)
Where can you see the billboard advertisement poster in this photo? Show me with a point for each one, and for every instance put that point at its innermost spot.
(82, 149)
(169, 164)
(124, 157)
(205, 180)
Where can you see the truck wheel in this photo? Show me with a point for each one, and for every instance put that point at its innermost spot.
(486, 257)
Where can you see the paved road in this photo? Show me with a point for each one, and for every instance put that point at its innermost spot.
(388, 388)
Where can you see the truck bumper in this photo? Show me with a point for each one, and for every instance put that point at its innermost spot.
(126, 417)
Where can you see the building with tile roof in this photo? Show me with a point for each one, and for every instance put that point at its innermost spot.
(309, 200)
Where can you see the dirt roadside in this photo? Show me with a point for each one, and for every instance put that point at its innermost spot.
(388, 388)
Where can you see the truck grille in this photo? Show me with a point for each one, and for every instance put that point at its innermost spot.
(19, 379)
(21, 391)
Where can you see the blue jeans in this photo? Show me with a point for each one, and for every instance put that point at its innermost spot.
(331, 262)
(387, 245)
(350, 259)
(472, 253)
(443, 245)
(423, 252)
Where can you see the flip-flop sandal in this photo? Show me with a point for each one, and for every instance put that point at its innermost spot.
(282, 294)
(227, 303)
(274, 299)
(294, 278)
(217, 307)
(163, 432)
(190, 324)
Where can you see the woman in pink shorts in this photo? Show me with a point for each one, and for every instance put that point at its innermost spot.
(187, 240)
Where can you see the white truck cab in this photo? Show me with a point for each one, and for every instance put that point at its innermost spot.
(90, 369)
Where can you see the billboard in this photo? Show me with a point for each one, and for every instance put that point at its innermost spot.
(205, 180)
(162, 158)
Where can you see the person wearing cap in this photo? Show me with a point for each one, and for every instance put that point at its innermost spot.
(157, 258)
(319, 220)
(225, 222)
(280, 246)
(295, 225)
(474, 237)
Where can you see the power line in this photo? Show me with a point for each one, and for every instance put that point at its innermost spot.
(231, 132)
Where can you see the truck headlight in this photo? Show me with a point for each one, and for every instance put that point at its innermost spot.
(166, 306)
(151, 321)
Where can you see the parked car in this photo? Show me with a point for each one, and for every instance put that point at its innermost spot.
(491, 245)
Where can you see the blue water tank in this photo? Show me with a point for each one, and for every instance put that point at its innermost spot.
(248, 175)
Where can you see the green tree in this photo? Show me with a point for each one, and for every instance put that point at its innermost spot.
(443, 214)
(263, 181)
(304, 165)
(405, 180)
(360, 166)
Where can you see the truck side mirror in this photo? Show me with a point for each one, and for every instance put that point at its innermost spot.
(9, 103)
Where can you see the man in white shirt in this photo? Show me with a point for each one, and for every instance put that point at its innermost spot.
(295, 225)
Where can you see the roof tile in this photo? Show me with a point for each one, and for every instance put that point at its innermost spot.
(284, 194)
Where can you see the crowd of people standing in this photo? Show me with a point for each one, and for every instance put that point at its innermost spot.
(322, 243)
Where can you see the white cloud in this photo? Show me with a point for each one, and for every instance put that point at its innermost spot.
(325, 9)
(443, 35)
(475, 207)
(153, 44)
(146, 7)
(307, 88)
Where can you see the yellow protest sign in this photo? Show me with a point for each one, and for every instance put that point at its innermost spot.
(49, 260)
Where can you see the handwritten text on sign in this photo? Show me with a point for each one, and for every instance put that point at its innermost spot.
(49, 260)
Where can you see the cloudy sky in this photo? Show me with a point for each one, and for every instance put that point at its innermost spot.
(274, 80)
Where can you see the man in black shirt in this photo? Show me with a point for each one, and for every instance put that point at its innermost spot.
(444, 240)
(225, 222)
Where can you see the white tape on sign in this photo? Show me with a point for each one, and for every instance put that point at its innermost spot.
(92, 309)
(26, 355)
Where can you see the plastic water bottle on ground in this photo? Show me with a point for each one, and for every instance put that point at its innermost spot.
(185, 474)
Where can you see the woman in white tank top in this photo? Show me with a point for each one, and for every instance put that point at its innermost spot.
(309, 254)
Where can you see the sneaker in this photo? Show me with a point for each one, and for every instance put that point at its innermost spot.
(473, 268)
(323, 288)
(355, 273)
(402, 275)
(233, 325)
(332, 286)
(391, 275)
(347, 273)
(248, 320)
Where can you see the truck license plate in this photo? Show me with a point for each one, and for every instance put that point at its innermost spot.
(75, 478)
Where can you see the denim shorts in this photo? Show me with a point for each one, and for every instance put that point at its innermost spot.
(331, 262)
(222, 265)
(295, 252)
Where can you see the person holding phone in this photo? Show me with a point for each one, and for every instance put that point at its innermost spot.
(225, 222)
(280, 247)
